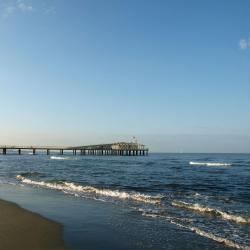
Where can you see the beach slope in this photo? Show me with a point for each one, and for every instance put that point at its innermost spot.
(21, 229)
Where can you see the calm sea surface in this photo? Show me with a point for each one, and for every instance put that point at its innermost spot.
(198, 194)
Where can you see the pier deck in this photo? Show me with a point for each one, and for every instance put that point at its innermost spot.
(119, 148)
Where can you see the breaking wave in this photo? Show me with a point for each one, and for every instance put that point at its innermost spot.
(72, 187)
(210, 164)
(212, 211)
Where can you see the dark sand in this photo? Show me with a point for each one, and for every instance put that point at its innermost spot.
(21, 229)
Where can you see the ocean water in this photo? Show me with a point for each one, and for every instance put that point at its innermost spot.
(160, 201)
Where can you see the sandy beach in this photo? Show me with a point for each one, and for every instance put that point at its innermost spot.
(21, 229)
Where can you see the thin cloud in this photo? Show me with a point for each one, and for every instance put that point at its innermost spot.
(50, 10)
(244, 44)
(9, 10)
(13, 7)
(24, 7)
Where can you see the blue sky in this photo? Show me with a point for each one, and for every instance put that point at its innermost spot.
(176, 74)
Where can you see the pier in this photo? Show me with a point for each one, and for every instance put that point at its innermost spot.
(118, 149)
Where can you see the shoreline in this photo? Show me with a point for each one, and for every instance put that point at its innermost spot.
(23, 229)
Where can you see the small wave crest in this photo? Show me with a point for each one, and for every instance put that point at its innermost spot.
(182, 222)
(72, 187)
(212, 211)
(211, 236)
(210, 164)
(58, 158)
(30, 174)
(153, 213)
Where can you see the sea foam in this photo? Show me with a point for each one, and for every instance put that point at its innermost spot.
(72, 187)
(210, 164)
(202, 209)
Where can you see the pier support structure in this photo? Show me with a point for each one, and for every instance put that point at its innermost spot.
(115, 149)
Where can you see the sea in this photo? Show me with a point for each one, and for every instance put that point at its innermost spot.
(159, 201)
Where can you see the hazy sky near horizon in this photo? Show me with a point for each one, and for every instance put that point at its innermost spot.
(176, 74)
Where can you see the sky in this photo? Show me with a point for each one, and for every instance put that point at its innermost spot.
(173, 73)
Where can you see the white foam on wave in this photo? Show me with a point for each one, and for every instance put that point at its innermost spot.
(179, 222)
(210, 164)
(203, 209)
(72, 187)
(58, 158)
(153, 213)
(71, 193)
(227, 242)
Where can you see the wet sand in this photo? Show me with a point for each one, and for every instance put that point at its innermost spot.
(21, 229)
